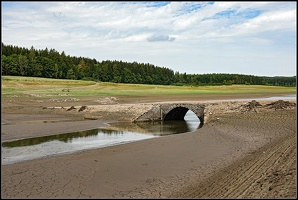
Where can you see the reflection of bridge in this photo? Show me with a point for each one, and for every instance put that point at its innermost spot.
(172, 111)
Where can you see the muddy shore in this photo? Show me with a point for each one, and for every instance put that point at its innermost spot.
(244, 154)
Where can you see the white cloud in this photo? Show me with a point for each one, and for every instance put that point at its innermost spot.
(158, 38)
(198, 34)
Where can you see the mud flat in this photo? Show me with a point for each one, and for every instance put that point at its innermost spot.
(247, 153)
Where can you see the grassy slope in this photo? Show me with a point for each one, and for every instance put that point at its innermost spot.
(22, 86)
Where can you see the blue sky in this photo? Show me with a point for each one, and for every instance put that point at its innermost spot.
(255, 38)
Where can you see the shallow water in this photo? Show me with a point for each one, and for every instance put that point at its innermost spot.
(114, 134)
(286, 97)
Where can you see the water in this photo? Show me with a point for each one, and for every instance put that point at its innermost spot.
(288, 97)
(115, 134)
(274, 98)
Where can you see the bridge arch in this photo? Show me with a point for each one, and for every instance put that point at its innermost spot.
(172, 111)
(178, 111)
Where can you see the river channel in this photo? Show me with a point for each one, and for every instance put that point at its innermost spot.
(114, 134)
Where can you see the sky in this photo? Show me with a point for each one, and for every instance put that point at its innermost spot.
(194, 37)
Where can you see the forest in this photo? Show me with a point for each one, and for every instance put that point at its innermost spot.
(49, 63)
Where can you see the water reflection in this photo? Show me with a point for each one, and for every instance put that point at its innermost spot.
(190, 124)
(66, 137)
(161, 128)
(28, 149)
(116, 133)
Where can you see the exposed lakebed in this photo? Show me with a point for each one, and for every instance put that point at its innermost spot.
(114, 134)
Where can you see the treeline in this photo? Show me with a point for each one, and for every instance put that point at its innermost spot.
(19, 61)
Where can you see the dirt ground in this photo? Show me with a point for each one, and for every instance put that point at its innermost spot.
(247, 149)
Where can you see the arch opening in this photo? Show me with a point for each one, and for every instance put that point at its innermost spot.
(192, 120)
(186, 116)
(181, 113)
(191, 116)
(177, 113)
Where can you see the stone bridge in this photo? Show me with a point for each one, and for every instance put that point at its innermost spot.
(172, 111)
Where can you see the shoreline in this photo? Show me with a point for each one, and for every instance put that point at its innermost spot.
(187, 165)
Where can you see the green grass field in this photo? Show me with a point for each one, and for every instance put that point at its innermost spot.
(17, 86)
